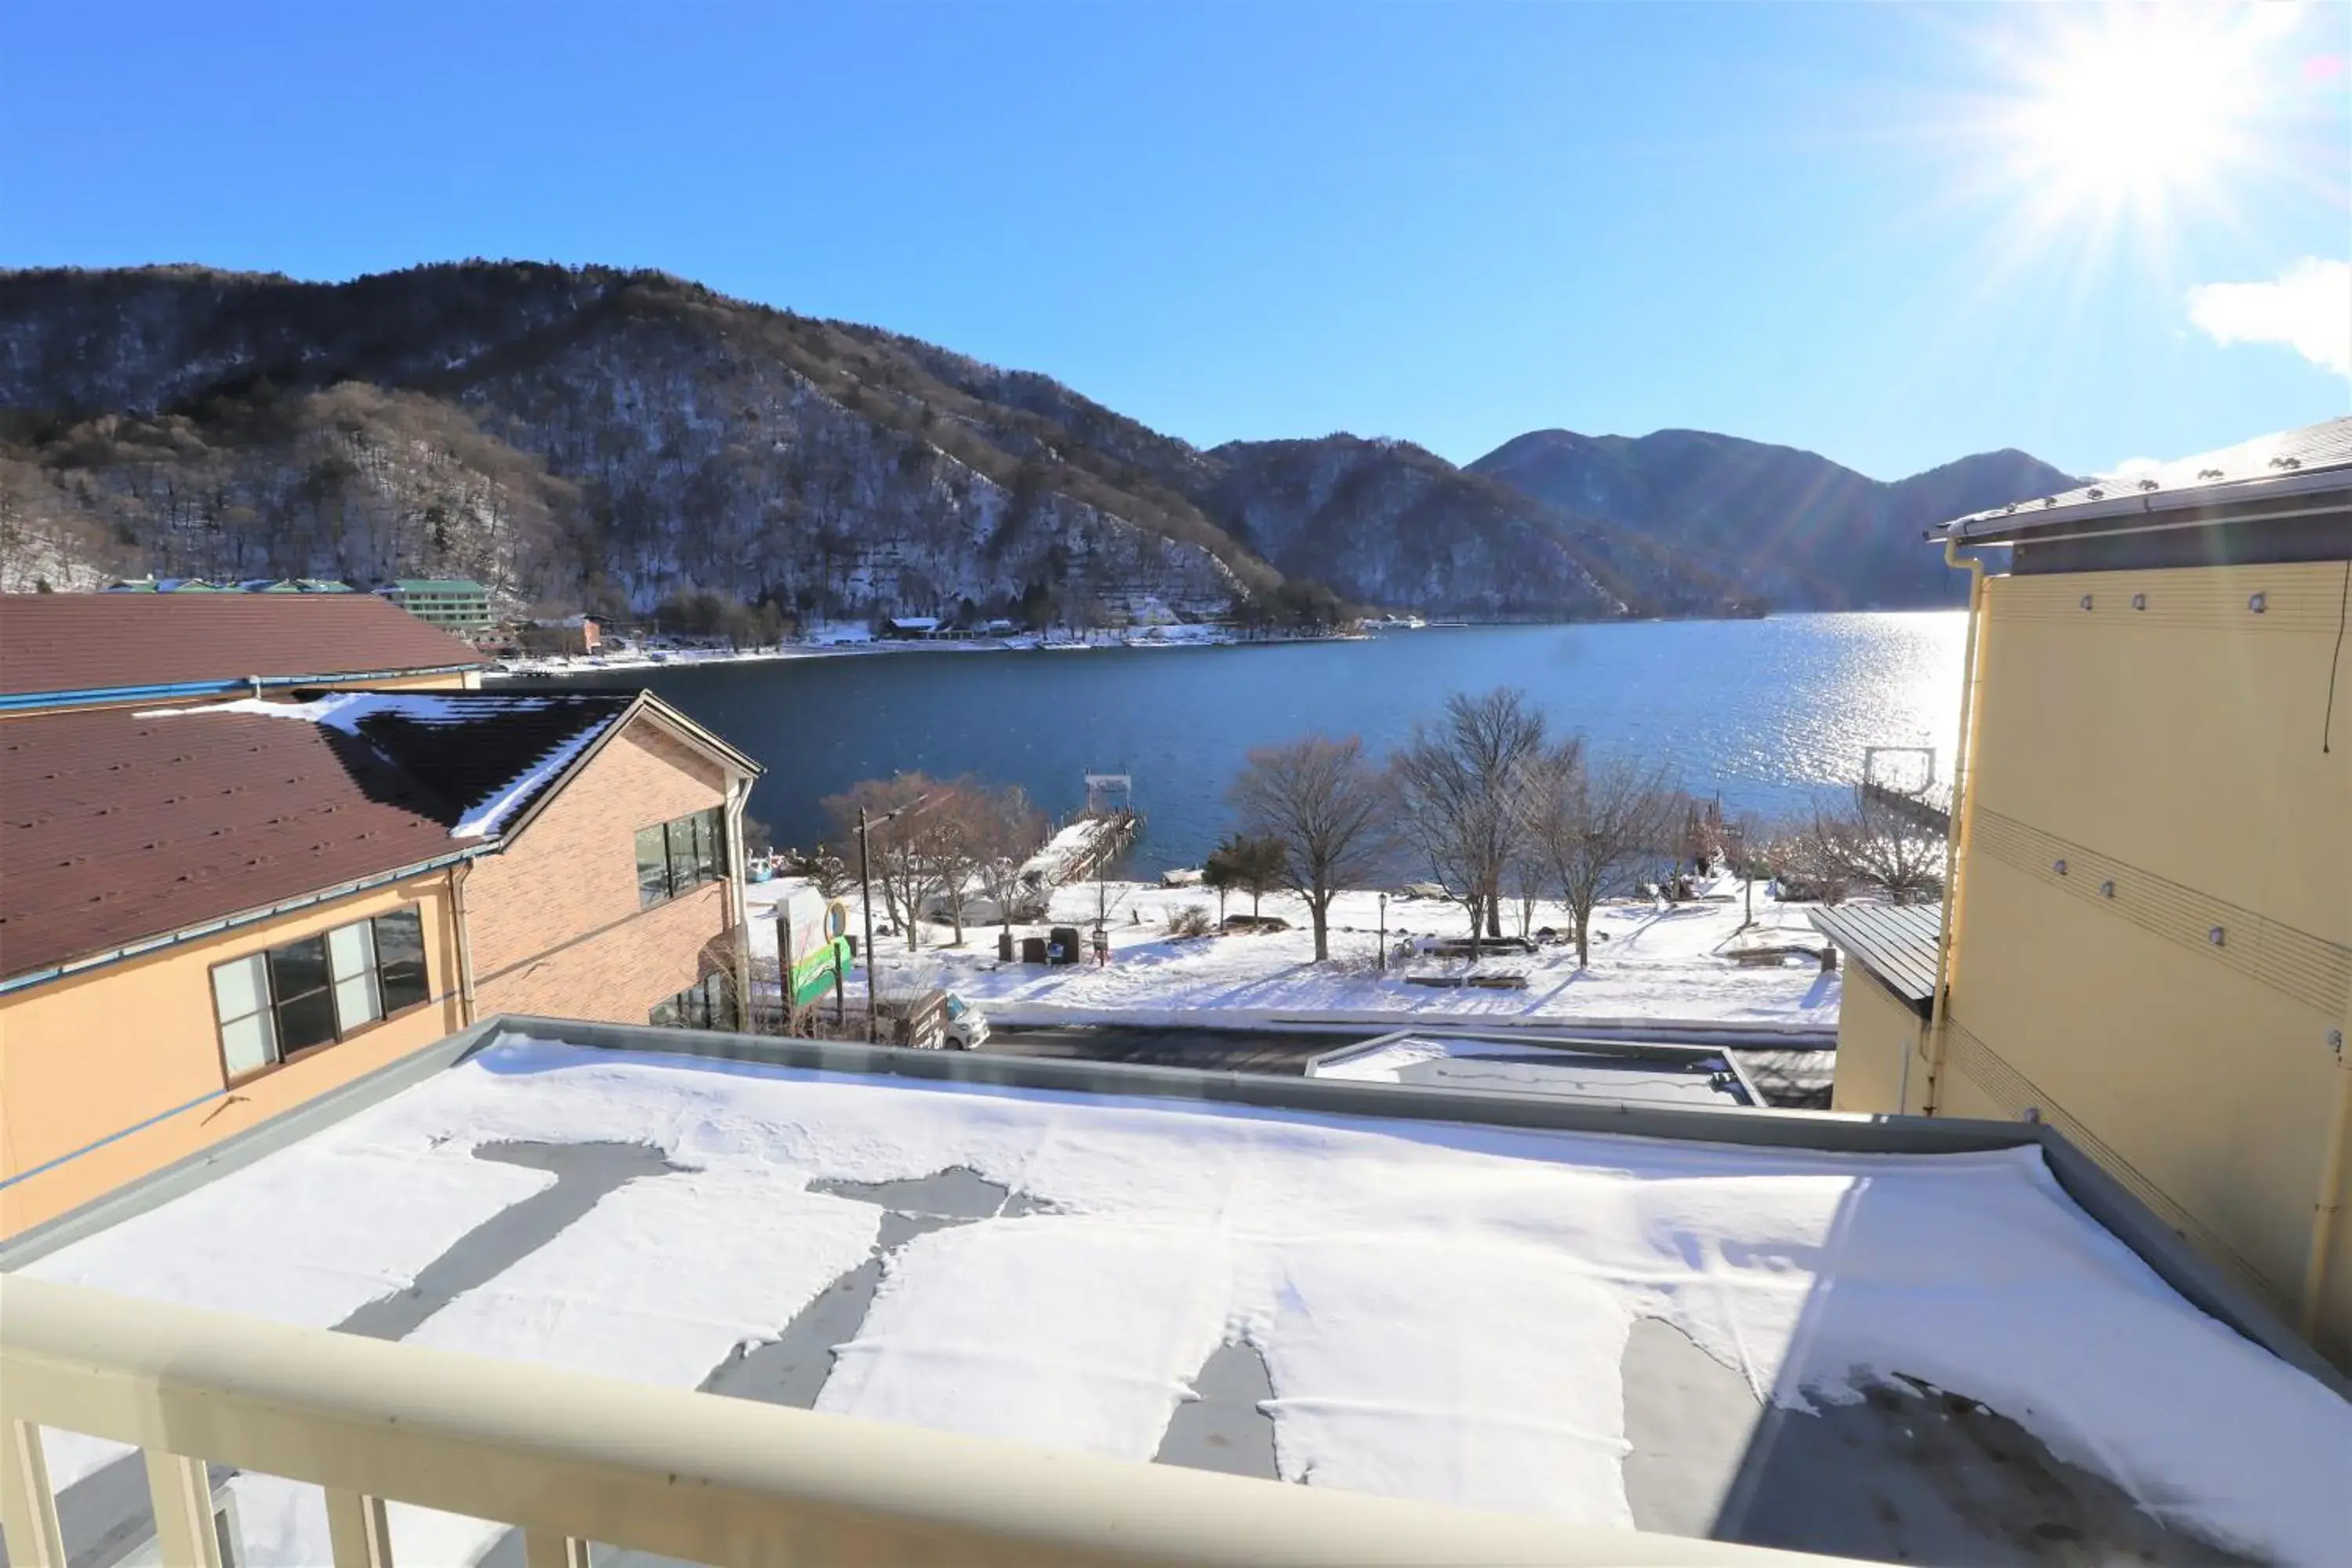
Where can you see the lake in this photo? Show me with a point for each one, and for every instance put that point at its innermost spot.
(1771, 714)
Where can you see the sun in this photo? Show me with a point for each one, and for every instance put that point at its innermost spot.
(2141, 108)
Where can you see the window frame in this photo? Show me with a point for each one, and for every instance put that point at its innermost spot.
(706, 999)
(693, 855)
(269, 1011)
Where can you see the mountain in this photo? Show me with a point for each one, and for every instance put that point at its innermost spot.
(1784, 525)
(591, 435)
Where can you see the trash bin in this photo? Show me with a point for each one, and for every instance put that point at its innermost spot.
(1033, 950)
(1004, 947)
(1065, 946)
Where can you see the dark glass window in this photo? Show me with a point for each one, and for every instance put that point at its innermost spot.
(299, 990)
(679, 856)
(701, 1006)
(400, 959)
(653, 867)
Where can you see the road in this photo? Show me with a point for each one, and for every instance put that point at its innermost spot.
(1795, 1079)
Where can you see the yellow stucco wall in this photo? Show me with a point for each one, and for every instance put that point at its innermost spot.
(2169, 756)
(1875, 1029)
(88, 1058)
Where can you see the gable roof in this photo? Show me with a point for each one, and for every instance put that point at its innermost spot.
(2252, 478)
(56, 648)
(117, 827)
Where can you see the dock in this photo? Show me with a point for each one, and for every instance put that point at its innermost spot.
(1081, 848)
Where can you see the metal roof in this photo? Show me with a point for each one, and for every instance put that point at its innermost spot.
(87, 646)
(2267, 470)
(122, 827)
(1897, 943)
(1554, 1067)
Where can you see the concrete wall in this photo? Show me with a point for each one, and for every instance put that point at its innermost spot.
(93, 1057)
(554, 916)
(1876, 1029)
(2145, 775)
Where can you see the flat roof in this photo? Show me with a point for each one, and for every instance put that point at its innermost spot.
(1879, 1338)
(2266, 472)
(1563, 1066)
(1897, 943)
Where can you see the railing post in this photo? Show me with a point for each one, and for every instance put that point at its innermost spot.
(357, 1530)
(29, 1508)
(541, 1550)
(181, 1493)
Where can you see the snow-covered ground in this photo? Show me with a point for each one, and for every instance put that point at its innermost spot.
(841, 647)
(1651, 964)
(1442, 1311)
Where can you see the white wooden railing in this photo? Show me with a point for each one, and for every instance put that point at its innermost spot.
(572, 1458)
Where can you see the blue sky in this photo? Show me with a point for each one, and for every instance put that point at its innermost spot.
(1816, 224)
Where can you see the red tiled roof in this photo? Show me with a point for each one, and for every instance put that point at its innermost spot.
(86, 642)
(116, 828)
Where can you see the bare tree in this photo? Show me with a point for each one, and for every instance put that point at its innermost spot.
(1011, 831)
(1468, 786)
(1875, 843)
(1600, 819)
(1328, 808)
(954, 835)
(900, 857)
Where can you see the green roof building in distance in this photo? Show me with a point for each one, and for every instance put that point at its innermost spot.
(452, 604)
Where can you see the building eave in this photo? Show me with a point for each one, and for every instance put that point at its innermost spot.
(2206, 505)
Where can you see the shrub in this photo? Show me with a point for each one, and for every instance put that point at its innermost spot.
(1189, 919)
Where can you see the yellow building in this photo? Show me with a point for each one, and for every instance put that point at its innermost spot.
(2150, 924)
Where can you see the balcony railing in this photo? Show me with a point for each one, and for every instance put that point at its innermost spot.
(570, 1458)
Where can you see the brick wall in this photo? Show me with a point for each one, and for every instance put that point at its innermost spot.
(554, 918)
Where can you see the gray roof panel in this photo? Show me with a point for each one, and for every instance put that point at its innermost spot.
(2283, 463)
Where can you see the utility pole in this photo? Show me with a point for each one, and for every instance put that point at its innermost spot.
(1384, 933)
(866, 901)
(865, 897)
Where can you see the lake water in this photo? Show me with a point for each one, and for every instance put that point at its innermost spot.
(1771, 714)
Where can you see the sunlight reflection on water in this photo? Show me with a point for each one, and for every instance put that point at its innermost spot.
(1773, 714)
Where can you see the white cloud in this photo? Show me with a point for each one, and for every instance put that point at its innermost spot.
(2308, 306)
(2134, 468)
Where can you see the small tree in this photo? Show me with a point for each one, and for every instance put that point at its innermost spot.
(1245, 863)
(1597, 820)
(1327, 808)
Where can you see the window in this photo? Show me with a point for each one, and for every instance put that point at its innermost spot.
(400, 959)
(317, 990)
(701, 1006)
(678, 857)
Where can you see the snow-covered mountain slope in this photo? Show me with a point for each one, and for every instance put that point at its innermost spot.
(588, 434)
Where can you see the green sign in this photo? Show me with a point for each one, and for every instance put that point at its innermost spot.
(812, 975)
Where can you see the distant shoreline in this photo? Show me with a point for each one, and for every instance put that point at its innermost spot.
(574, 665)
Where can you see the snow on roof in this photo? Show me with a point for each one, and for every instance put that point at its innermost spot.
(1571, 1069)
(544, 736)
(1442, 1309)
(2316, 456)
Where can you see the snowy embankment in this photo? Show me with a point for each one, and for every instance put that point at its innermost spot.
(1651, 965)
(847, 647)
(1444, 1311)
